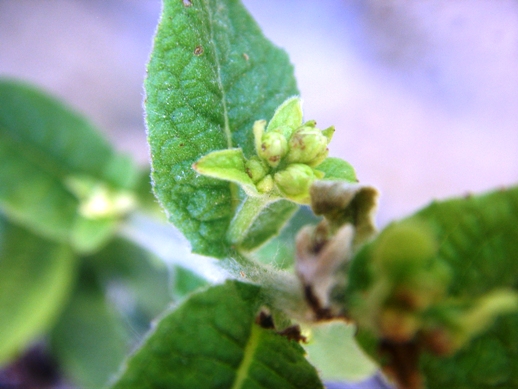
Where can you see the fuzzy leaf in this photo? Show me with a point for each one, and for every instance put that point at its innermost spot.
(211, 341)
(268, 224)
(211, 75)
(43, 145)
(337, 169)
(35, 279)
(478, 240)
(228, 165)
(288, 114)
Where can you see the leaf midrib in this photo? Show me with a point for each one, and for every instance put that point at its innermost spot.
(234, 190)
(248, 358)
(226, 128)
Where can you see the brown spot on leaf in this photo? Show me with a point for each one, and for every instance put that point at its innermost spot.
(265, 320)
(245, 56)
(198, 50)
(293, 333)
(187, 3)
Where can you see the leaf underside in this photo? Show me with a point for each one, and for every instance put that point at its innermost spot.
(478, 238)
(211, 75)
(211, 341)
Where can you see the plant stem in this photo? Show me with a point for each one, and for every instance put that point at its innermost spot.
(245, 216)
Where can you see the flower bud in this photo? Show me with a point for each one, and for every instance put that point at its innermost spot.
(256, 169)
(308, 145)
(273, 147)
(294, 182)
(265, 185)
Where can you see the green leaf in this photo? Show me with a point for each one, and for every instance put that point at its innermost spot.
(333, 351)
(43, 146)
(477, 241)
(480, 242)
(186, 282)
(89, 341)
(211, 341)
(211, 75)
(268, 224)
(147, 201)
(280, 251)
(288, 114)
(228, 165)
(138, 274)
(337, 169)
(35, 280)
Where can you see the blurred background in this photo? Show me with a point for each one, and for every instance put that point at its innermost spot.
(424, 94)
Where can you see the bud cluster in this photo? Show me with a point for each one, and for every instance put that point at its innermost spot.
(289, 156)
(288, 153)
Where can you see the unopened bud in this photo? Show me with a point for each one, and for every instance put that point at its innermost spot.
(294, 182)
(265, 185)
(308, 145)
(273, 147)
(256, 169)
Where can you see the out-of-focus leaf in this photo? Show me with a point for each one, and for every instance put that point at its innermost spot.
(146, 198)
(186, 282)
(211, 341)
(136, 273)
(35, 281)
(43, 147)
(333, 351)
(89, 341)
(476, 242)
(212, 73)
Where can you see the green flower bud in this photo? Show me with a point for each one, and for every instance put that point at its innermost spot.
(284, 130)
(308, 145)
(256, 169)
(265, 185)
(97, 200)
(273, 147)
(294, 182)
